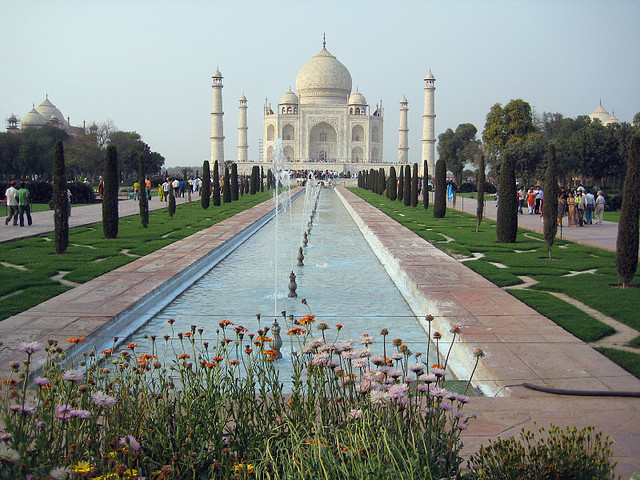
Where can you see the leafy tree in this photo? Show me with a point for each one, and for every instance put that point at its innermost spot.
(235, 187)
(481, 181)
(550, 204)
(142, 198)
(425, 188)
(458, 148)
(393, 184)
(414, 186)
(636, 120)
(172, 201)
(401, 183)
(507, 222)
(627, 242)
(110, 196)
(226, 187)
(60, 200)
(440, 180)
(216, 185)
(129, 146)
(406, 186)
(205, 188)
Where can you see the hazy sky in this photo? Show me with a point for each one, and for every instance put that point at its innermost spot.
(147, 65)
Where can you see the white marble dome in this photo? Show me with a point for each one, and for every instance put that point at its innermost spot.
(289, 98)
(48, 110)
(33, 119)
(357, 98)
(323, 79)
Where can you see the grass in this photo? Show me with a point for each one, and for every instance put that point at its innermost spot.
(596, 287)
(628, 360)
(27, 282)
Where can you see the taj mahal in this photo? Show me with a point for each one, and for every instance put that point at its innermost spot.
(324, 124)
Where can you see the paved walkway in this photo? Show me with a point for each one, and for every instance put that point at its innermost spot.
(601, 236)
(521, 345)
(80, 215)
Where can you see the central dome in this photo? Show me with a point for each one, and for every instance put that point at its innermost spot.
(323, 79)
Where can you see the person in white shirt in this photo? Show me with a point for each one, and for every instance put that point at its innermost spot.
(11, 195)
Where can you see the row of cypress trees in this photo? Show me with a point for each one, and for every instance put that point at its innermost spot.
(403, 188)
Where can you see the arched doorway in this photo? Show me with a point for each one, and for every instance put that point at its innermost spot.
(323, 143)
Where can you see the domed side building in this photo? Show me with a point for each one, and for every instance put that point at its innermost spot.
(605, 117)
(44, 114)
(324, 122)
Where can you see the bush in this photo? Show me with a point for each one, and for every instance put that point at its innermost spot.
(568, 454)
(439, 199)
(467, 187)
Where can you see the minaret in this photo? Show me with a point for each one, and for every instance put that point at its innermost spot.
(217, 136)
(403, 133)
(243, 146)
(429, 124)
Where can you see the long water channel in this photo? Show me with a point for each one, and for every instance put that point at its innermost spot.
(342, 281)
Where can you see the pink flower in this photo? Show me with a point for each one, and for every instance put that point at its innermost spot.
(355, 414)
(29, 348)
(131, 441)
(101, 399)
(41, 381)
(416, 368)
(63, 412)
(74, 376)
(81, 414)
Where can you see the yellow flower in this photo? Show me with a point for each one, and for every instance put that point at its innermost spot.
(81, 467)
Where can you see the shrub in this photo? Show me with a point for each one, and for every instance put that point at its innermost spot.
(550, 204)
(60, 200)
(628, 236)
(401, 183)
(567, 454)
(425, 185)
(226, 188)
(110, 198)
(406, 186)
(235, 186)
(507, 222)
(393, 184)
(439, 199)
(205, 188)
(414, 186)
(481, 185)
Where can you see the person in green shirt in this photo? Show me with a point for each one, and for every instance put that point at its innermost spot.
(24, 204)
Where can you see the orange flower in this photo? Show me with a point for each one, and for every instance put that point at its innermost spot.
(240, 329)
(75, 341)
(183, 356)
(270, 352)
(217, 359)
(248, 351)
(107, 353)
(233, 362)
(210, 364)
(339, 327)
(146, 356)
(437, 365)
(296, 331)
(396, 341)
(171, 321)
(307, 320)
(224, 323)
(187, 334)
(132, 345)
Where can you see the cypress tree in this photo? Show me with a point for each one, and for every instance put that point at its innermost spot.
(406, 186)
(425, 186)
(550, 203)
(481, 182)
(439, 199)
(226, 188)
(382, 181)
(143, 201)
(215, 191)
(254, 180)
(261, 179)
(627, 243)
(60, 200)
(110, 195)
(414, 186)
(205, 188)
(507, 224)
(172, 201)
(235, 186)
(401, 183)
(393, 185)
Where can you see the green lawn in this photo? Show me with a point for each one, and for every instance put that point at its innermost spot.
(528, 257)
(90, 255)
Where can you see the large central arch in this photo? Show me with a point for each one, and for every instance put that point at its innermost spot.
(323, 143)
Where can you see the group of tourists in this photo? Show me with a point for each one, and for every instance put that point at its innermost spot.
(18, 203)
(578, 205)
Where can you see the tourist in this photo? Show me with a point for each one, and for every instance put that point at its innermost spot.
(521, 199)
(600, 203)
(176, 185)
(581, 205)
(571, 205)
(100, 189)
(539, 196)
(165, 190)
(24, 204)
(591, 205)
(531, 200)
(11, 196)
(160, 192)
(562, 207)
(136, 190)
(147, 184)
(69, 201)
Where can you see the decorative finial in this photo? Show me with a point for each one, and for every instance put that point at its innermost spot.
(324, 40)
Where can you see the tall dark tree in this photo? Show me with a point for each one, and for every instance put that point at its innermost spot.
(110, 196)
(235, 186)
(205, 188)
(253, 187)
(143, 200)
(550, 204)
(425, 186)
(507, 222)
(60, 200)
(414, 186)
(406, 186)
(401, 183)
(440, 193)
(627, 243)
(481, 181)
(215, 191)
(261, 179)
(226, 187)
(172, 201)
(393, 184)
(382, 181)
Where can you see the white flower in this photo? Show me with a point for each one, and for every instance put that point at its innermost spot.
(8, 455)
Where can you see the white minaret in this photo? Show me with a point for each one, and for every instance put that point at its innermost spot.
(243, 146)
(217, 136)
(403, 133)
(429, 124)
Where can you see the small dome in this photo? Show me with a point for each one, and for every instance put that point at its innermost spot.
(600, 114)
(357, 98)
(33, 119)
(429, 76)
(613, 118)
(48, 110)
(323, 77)
(289, 98)
(404, 100)
(13, 118)
(243, 98)
(217, 74)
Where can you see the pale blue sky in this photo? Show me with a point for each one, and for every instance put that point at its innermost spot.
(147, 65)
